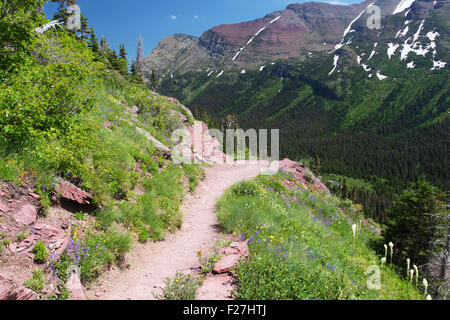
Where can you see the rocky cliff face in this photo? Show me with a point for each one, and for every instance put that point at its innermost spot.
(292, 32)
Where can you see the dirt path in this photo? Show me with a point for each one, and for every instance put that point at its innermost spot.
(151, 263)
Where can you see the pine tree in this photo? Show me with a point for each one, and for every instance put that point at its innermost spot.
(104, 47)
(122, 60)
(123, 52)
(61, 13)
(85, 31)
(93, 42)
(417, 221)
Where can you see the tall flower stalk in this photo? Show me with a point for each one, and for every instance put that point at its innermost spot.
(425, 284)
(408, 262)
(417, 273)
(391, 246)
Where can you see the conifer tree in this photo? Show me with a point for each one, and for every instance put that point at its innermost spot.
(417, 222)
(85, 31)
(93, 42)
(123, 52)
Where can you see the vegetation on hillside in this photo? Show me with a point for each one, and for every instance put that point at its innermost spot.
(65, 112)
(385, 132)
(302, 246)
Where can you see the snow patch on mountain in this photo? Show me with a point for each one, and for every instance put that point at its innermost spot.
(366, 67)
(438, 64)
(403, 5)
(410, 65)
(391, 49)
(336, 59)
(380, 76)
(254, 36)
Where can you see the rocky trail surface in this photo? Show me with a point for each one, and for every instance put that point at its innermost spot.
(151, 263)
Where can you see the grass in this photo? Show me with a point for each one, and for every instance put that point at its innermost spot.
(302, 247)
(195, 173)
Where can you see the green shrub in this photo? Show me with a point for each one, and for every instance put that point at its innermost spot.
(245, 188)
(36, 282)
(22, 236)
(43, 100)
(308, 177)
(181, 287)
(40, 252)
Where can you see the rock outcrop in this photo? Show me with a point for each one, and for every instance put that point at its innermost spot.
(299, 171)
(10, 291)
(70, 192)
(218, 286)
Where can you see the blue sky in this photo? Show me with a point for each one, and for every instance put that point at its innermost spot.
(122, 21)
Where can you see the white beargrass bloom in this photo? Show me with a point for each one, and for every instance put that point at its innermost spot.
(383, 260)
(411, 272)
(417, 273)
(391, 245)
(425, 284)
(408, 262)
(429, 297)
(354, 230)
(385, 250)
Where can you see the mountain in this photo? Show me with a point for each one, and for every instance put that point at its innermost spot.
(282, 34)
(371, 104)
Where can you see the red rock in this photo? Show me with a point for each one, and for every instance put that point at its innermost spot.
(227, 263)
(55, 239)
(298, 170)
(3, 207)
(216, 288)
(174, 100)
(27, 215)
(27, 243)
(75, 287)
(10, 291)
(12, 247)
(35, 195)
(71, 192)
